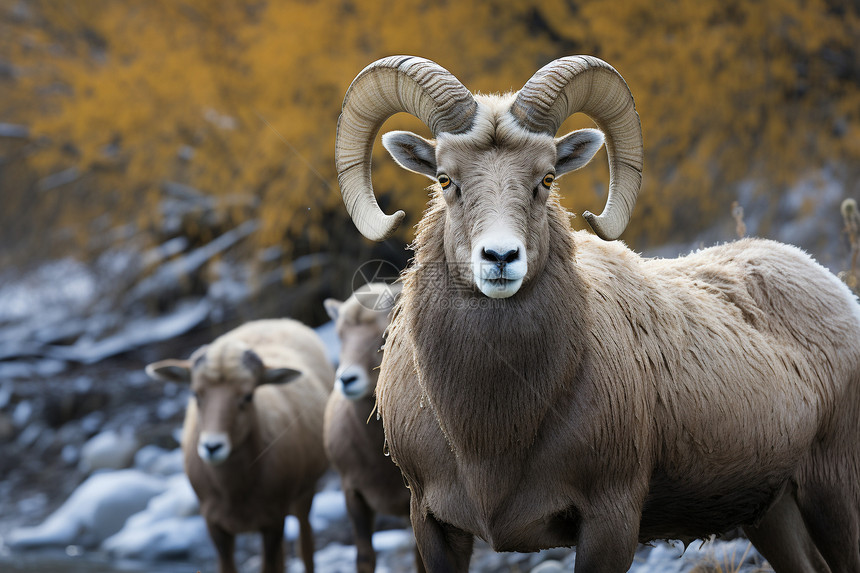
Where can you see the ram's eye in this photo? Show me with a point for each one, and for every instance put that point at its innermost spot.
(444, 181)
(247, 398)
(547, 180)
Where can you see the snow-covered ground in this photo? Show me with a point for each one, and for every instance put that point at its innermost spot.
(149, 512)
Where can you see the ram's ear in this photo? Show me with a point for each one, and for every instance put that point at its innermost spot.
(332, 307)
(412, 152)
(576, 149)
(170, 370)
(279, 376)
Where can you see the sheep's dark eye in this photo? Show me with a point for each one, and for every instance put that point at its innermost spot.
(444, 181)
(246, 399)
(547, 180)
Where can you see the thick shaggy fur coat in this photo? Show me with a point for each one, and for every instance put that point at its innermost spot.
(277, 459)
(616, 397)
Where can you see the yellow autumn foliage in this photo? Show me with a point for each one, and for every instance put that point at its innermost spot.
(240, 100)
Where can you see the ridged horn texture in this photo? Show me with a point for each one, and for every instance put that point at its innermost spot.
(385, 87)
(589, 85)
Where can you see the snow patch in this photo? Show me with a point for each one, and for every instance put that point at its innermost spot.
(94, 511)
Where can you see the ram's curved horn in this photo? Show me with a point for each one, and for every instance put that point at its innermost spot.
(590, 85)
(385, 87)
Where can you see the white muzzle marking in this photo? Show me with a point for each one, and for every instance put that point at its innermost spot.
(213, 447)
(499, 264)
(352, 381)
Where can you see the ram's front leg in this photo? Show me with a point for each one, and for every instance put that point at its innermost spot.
(224, 542)
(607, 542)
(361, 515)
(443, 547)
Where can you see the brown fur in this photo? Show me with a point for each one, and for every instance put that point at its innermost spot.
(277, 451)
(354, 439)
(616, 399)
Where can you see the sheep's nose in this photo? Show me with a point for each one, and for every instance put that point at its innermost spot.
(212, 448)
(348, 379)
(497, 257)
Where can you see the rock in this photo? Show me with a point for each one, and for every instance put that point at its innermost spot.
(23, 413)
(29, 435)
(108, 450)
(70, 454)
(32, 505)
(393, 539)
(7, 427)
(333, 558)
(168, 464)
(169, 527)
(147, 456)
(328, 507)
(6, 392)
(170, 408)
(291, 528)
(170, 538)
(92, 422)
(551, 566)
(553, 554)
(178, 501)
(94, 511)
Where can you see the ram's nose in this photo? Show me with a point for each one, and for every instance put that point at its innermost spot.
(213, 448)
(500, 257)
(353, 382)
(499, 263)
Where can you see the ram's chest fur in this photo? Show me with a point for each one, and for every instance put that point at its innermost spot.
(476, 357)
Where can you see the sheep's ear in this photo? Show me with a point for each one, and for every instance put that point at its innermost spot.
(576, 149)
(332, 307)
(170, 370)
(412, 152)
(279, 376)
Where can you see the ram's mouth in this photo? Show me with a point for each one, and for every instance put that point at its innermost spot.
(499, 287)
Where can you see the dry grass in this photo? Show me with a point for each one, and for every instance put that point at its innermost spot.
(730, 563)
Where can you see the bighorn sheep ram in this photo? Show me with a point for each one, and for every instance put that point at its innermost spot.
(542, 387)
(253, 434)
(354, 440)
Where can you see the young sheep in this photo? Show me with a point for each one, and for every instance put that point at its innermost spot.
(252, 439)
(545, 388)
(354, 439)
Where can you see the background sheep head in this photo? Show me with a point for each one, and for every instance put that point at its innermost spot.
(360, 322)
(223, 378)
(494, 158)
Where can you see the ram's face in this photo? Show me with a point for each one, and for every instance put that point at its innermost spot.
(360, 325)
(496, 180)
(496, 226)
(224, 408)
(224, 379)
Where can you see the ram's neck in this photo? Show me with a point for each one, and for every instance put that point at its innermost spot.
(492, 368)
